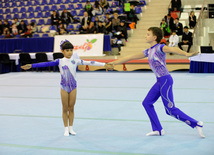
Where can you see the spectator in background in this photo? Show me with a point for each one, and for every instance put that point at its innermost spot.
(30, 31)
(61, 29)
(1, 28)
(96, 21)
(165, 28)
(6, 33)
(123, 30)
(16, 21)
(97, 9)
(89, 8)
(108, 23)
(55, 19)
(104, 4)
(85, 23)
(192, 20)
(115, 22)
(169, 21)
(186, 39)
(66, 17)
(173, 40)
(101, 28)
(176, 5)
(14, 30)
(131, 15)
(7, 25)
(91, 28)
(22, 27)
(178, 27)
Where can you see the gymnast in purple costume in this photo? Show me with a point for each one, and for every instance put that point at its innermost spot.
(67, 67)
(163, 87)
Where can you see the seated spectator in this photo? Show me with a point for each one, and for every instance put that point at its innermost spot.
(97, 9)
(89, 8)
(55, 19)
(62, 30)
(14, 30)
(22, 27)
(173, 40)
(66, 17)
(1, 27)
(29, 32)
(85, 23)
(121, 31)
(165, 28)
(7, 25)
(108, 23)
(192, 20)
(169, 21)
(104, 4)
(186, 39)
(131, 16)
(175, 5)
(16, 21)
(96, 21)
(101, 28)
(178, 27)
(115, 21)
(91, 28)
(6, 33)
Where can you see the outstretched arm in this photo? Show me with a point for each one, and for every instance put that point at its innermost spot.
(178, 51)
(128, 58)
(42, 64)
(94, 63)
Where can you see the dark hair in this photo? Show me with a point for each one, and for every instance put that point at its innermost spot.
(157, 32)
(67, 45)
(177, 18)
(186, 27)
(169, 14)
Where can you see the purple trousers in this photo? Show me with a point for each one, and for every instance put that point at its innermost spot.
(163, 88)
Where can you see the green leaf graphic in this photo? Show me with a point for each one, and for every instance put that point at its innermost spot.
(93, 40)
(87, 40)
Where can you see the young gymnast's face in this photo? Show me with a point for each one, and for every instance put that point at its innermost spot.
(67, 53)
(150, 37)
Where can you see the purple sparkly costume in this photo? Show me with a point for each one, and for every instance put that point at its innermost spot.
(162, 88)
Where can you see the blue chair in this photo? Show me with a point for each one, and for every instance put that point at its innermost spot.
(1, 11)
(1, 17)
(24, 15)
(79, 6)
(75, 1)
(46, 8)
(30, 9)
(6, 5)
(45, 35)
(8, 16)
(15, 10)
(83, 1)
(51, 2)
(115, 4)
(31, 15)
(54, 7)
(29, 3)
(44, 2)
(41, 22)
(109, 10)
(138, 10)
(38, 9)
(16, 16)
(78, 18)
(33, 21)
(70, 7)
(48, 22)
(62, 7)
(59, 1)
(21, 4)
(81, 13)
(39, 15)
(77, 27)
(70, 28)
(10, 22)
(52, 28)
(47, 14)
(26, 22)
(36, 36)
(120, 10)
(74, 12)
(14, 4)
(36, 2)
(7, 11)
(68, 1)
(22, 10)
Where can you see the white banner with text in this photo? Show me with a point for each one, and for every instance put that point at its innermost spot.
(84, 45)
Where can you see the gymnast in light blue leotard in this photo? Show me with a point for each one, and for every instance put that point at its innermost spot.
(67, 67)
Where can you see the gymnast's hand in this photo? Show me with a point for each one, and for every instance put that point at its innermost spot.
(26, 67)
(109, 66)
(192, 54)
